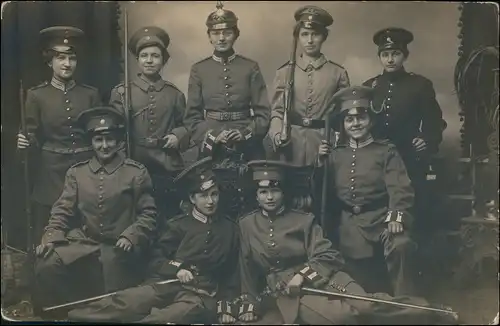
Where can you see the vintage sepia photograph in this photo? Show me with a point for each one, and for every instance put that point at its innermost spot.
(250, 162)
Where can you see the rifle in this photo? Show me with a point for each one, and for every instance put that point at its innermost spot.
(126, 99)
(324, 185)
(288, 93)
(27, 189)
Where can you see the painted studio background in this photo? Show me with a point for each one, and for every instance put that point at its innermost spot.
(266, 38)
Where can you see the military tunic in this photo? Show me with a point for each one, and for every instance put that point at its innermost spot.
(98, 205)
(208, 247)
(227, 94)
(409, 110)
(157, 110)
(275, 248)
(373, 188)
(59, 142)
(314, 86)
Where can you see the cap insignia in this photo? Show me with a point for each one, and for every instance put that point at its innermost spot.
(264, 183)
(102, 121)
(353, 92)
(389, 40)
(355, 102)
(202, 177)
(310, 17)
(207, 185)
(146, 30)
(148, 38)
(65, 41)
(265, 172)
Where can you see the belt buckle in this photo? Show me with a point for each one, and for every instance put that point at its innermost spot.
(306, 122)
(225, 116)
(356, 209)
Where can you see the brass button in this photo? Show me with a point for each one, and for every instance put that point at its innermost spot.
(356, 209)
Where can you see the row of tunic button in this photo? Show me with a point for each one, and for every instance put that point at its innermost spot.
(309, 71)
(353, 170)
(388, 105)
(152, 105)
(205, 251)
(227, 85)
(101, 195)
(68, 108)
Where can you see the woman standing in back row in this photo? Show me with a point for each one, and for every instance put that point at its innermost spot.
(51, 112)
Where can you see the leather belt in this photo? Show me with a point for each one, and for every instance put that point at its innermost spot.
(59, 150)
(150, 142)
(307, 122)
(228, 116)
(358, 209)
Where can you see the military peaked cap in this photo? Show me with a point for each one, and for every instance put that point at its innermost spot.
(392, 38)
(310, 15)
(148, 36)
(198, 177)
(101, 119)
(268, 173)
(63, 39)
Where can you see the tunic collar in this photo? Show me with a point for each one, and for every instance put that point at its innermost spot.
(316, 64)
(354, 144)
(279, 212)
(199, 216)
(146, 85)
(62, 85)
(222, 57)
(394, 75)
(111, 167)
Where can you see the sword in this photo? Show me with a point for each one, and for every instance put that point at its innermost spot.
(74, 303)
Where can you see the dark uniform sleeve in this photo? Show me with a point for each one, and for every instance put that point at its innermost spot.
(399, 188)
(163, 262)
(260, 106)
(250, 278)
(141, 232)
(433, 124)
(195, 107)
(63, 211)
(180, 131)
(229, 279)
(323, 259)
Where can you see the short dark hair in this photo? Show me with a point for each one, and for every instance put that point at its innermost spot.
(164, 53)
(49, 54)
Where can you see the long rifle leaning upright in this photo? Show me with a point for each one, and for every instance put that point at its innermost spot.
(288, 92)
(27, 185)
(324, 185)
(126, 98)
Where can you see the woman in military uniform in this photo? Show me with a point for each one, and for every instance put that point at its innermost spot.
(315, 80)
(57, 141)
(200, 249)
(157, 109)
(410, 115)
(103, 222)
(228, 107)
(373, 189)
(282, 249)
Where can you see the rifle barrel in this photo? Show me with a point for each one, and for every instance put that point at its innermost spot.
(126, 103)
